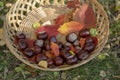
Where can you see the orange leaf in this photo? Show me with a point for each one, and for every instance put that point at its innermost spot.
(69, 27)
(82, 42)
(49, 54)
(55, 48)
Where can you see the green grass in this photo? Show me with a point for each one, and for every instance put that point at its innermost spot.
(89, 71)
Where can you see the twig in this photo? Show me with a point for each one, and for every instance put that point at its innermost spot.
(117, 76)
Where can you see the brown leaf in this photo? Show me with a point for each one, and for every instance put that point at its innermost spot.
(60, 19)
(68, 16)
(85, 15)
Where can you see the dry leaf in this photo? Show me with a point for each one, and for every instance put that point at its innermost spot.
(69, 16)
(85, 15)
(60, 19)
(49, 54)
(55, 48)
(69, 27)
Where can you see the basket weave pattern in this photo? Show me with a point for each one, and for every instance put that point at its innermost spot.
(21, 15)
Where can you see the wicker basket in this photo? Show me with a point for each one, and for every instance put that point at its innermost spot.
(21, 15)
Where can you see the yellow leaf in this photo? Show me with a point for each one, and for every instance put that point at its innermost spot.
(63, 28)
(71, 26)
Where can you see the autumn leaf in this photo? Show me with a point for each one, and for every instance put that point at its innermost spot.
(69, 27)
(60, 19)
(69, 16)
(50, 29)
(55, 48)
(49, 54)
(85, 15)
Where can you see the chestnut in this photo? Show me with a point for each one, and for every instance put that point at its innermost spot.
(67, 46)
(39, 43)
(53, 39)
(77, 49)
(89, 40)
(28, 52)
(42, 35)
(76, 43)
(37, 49)
(61, 46)
(22, 44)
(20, 35)
(84, 33)
(67, 55)
(58, 61)
(50, 62)
(72, 37)
(72, 60)
(89, 47)
(47, 46)
(83, 55)
(40, 57)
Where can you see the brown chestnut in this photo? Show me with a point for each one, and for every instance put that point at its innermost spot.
(83, 55)
(84, 33)
(58, 61)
